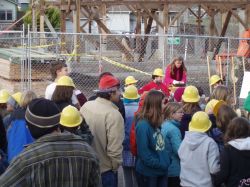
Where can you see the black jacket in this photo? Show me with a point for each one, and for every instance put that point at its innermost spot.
(235, 165)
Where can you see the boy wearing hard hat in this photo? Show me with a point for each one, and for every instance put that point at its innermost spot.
(156, 83)
(215, 81)
(72, 121)
(130, 80)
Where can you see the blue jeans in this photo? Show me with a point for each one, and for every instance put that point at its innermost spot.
(145, 181)
(109, 179)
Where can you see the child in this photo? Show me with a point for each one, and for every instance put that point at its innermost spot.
(215, 81)
(152, 156)
(57, 70)
(176, 72)
(131, 101)
(4, 96)
(190, 101)
(156, 83)
(224, 116)
(199, 154)
(130, 80)
(63, 92)
(170, 129)
(222, 93)
(12, 104)
(235, 159)
(18, 135)
(72, 121)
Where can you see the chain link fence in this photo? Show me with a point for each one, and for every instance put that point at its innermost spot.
(88, 55)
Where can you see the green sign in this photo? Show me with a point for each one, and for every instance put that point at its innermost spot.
(174, 41)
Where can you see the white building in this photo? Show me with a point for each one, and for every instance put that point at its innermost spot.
(8, 12)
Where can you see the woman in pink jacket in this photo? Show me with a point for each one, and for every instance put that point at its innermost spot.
(176, 72)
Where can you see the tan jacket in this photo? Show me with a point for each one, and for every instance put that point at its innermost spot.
(107, 126)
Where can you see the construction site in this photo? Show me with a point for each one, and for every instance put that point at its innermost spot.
(211, 35)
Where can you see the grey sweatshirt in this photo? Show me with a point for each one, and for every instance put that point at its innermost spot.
(199, 156)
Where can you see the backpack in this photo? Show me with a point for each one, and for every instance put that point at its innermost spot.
(18, 135)
(132, 138)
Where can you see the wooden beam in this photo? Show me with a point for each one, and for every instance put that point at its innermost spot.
(177, 16)
(239, 19)
(153, 16)
(193, 12)
(223, 32)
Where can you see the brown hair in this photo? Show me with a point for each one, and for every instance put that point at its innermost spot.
(238, 128)
(170, 109)
(152, 108)
(224, 116)
(62, 93)
(3, 106)
(55, 66)
(191, 108)
(183, 67)
(27, 97)
(222, 93)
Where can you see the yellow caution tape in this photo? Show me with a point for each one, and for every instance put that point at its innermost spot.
(124, 66)
(43, 46)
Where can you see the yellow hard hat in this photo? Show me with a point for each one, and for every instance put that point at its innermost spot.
(4, 96)
(217, 107)
(130, 80)
(210, 105)
(70, 117)
(158, 72)
(200, 122)
(214, 79)
(17, 96)
(65, 81)
(191, 95)
(131, 92)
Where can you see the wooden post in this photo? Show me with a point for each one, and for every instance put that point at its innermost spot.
(220, 63)
(233, 78)
(199, 20)
(209, 74)
(243, 63)
(34, 21)
(247, 16)
(62, 26)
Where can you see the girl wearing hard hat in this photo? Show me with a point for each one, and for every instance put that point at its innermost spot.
(62, 95)
(176, 72)
(156, 83)
(130, 80)
(199, 154)
(131, 103)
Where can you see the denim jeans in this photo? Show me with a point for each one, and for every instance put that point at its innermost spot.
(109, 179)
(145, 181)
(129, 176)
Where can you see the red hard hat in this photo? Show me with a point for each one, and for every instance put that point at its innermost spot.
(108, 82)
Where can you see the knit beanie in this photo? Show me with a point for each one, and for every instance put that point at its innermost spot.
(42, 116)
(247, 103)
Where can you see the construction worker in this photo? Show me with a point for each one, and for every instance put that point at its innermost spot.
(215, 81)
(156, 83)
(4, 96)
(130, 80)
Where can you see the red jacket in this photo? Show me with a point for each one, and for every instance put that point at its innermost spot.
(152, 85)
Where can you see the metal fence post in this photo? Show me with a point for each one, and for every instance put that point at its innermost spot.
(228, 60)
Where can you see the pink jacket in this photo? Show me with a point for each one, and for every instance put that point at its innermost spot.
(168, 80)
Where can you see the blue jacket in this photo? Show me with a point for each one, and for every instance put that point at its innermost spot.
(130, 109)
(171, 132)
(153, 157)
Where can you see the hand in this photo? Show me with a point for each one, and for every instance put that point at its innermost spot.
(176, 82)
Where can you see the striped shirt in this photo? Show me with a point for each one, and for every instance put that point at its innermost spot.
(54, 160)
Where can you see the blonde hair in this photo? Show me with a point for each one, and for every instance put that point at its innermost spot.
(170, 109)
(27, 97)
(222, 93)
(191, 108)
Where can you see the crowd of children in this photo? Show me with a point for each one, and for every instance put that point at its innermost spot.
(165, 133)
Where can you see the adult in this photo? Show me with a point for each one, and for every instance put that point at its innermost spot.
(55, 158)
(107, 126)
(176, 72)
